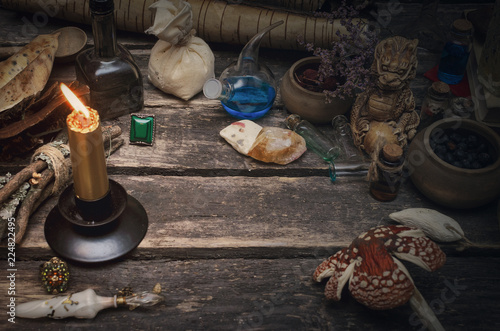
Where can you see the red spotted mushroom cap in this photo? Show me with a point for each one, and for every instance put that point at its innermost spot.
(376, 278)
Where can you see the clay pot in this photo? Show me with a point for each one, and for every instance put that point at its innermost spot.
(446, 184)
(310, 106)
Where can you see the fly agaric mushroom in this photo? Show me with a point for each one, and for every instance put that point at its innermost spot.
(376, 278)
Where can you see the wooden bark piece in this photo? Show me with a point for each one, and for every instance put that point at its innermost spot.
(21, 177)
(39, 111)
(31, 199)
(31, 79)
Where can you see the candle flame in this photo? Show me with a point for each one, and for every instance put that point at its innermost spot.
(74, 101)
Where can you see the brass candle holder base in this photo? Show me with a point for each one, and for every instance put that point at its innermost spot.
(96, 231)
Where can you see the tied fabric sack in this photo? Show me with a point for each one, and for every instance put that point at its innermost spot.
(180, 62)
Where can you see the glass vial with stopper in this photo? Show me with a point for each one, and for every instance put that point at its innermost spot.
(435, 103)
(109, 69)
(316, 141)
(386, 173)
(246, 88)
(456, 52)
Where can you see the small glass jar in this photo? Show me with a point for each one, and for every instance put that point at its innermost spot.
(387, 173)
(435, 103)
(456, 52)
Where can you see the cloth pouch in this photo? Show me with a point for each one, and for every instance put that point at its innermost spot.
(180, 62)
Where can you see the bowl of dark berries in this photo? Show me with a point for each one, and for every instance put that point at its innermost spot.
(456, 163)
(302, 93)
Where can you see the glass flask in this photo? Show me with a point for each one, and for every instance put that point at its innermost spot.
(109, 69)
(245, 88)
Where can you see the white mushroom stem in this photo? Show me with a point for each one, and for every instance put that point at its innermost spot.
(420, 306)
(424, 312)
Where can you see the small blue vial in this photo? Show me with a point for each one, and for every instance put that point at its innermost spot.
(456, 53)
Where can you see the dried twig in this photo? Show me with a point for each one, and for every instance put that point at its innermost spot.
(22, 176)
(31, 198)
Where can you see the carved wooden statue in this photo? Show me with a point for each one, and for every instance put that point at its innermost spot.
(385, 113)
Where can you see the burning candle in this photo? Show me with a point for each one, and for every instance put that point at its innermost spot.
(87, 150)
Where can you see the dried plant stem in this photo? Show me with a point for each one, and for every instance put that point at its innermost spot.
(467, 243)
(114, 145)
(31, 199)
(22, 176)
(424, 312)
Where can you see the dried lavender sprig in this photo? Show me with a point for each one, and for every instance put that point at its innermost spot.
(350, 57)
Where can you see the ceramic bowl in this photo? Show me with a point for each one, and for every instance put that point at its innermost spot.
(446, 184)
(310, 106)
(71, 41)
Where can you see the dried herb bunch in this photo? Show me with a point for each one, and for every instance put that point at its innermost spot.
(348, 60)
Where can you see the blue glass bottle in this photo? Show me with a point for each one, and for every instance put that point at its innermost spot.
(246, 88)
(456, 53)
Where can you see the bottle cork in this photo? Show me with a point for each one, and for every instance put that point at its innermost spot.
(392, 152)
(462, 25)
(440, 87)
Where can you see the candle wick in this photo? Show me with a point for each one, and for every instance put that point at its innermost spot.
(84, 120)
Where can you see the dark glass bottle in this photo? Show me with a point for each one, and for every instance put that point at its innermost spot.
(109, 69)
(386, 178)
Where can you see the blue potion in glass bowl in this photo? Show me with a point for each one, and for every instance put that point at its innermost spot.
(245, 88)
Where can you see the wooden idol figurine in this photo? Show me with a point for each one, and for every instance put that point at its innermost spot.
(385, 113)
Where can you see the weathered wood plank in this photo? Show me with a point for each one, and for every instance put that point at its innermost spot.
(238, 216)
(262, 294)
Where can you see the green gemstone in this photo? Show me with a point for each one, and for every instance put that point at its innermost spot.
(142, 129)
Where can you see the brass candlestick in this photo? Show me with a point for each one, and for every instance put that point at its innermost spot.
(95, 219)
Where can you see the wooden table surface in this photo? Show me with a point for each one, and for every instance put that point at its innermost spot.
(233, 241)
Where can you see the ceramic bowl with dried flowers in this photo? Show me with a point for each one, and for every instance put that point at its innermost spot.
(325, 85)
